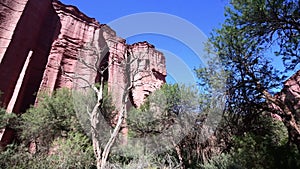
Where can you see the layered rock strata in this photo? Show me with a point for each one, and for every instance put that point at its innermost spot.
(45, 45)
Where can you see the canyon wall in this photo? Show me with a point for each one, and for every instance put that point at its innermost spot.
(290, 94)
(26, 25)
(45, 45)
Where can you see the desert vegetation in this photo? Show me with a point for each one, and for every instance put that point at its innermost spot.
(234, 117)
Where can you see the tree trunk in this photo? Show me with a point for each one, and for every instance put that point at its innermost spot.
(94, 122)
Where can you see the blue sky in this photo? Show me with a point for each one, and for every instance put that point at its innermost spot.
(183, 52)
(205, 14)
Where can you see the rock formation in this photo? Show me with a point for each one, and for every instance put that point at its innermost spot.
(44, 44)
(290, 94)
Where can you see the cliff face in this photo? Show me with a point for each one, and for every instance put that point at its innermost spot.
(44, 44)
(290, 94)
(151, 68)
(26, 25)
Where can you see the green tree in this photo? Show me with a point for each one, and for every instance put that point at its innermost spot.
(175, 104)
(74, 151)
(50, 136)
(269, 22)
(263, 146)
(52, 117)
(251, 29)
(71, 151)
(163, 108)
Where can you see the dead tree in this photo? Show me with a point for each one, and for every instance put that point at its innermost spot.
(130, 65)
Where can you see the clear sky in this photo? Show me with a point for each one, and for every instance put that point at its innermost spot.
(182, 46)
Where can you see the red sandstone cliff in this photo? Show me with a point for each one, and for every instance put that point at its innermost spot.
(42, 42)
(290, 94)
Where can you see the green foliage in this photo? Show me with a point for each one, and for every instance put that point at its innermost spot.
(18, 157)
(134, 157)
(162, 109)
(260, 151)
(84, 102)
(107, 107)
(267, 23)
(6, 118)
(265, 146)
(53, 116)
(255, 32)
(212, 77)
(169, 106)
(75, 151)
(222, 161)
(243, 46)
(52, 127)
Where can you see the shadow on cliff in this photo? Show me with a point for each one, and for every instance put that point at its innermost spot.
(35, 31)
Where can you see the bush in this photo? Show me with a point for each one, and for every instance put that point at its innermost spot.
(261, 148)
(75, 151)
(72, 152)
(52, 117)
(52, 127)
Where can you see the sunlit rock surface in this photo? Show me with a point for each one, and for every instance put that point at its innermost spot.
(51, 43)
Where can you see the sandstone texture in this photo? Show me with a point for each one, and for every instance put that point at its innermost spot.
(45, 45)
(151, 70)
(290, 94)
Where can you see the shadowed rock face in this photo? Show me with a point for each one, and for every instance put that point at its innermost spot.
(44, 43)
(25, 26)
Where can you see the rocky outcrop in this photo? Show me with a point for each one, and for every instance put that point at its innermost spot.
(14, 10)
(27, 30)
(75, 30)
(290, 94)
(47, 45)
(151, 73)
(26, 25)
